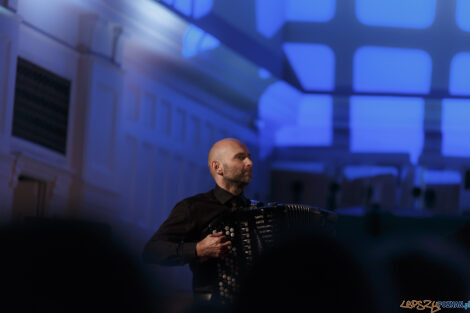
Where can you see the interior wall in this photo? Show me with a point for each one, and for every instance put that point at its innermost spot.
(136, 145)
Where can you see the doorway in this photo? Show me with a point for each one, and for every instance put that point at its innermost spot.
(29, 198)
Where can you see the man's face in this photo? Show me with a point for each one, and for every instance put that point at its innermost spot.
(237, 165)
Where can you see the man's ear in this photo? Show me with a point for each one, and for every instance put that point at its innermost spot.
(217, 167)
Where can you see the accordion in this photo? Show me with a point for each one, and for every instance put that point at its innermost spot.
(257, 229)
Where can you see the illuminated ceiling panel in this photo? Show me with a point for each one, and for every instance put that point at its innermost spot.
(201, 8)
(396, 13)
(270, 17)
(463, 14)
(455, 127)
(459, 82)
(387, 124)
(380, 69)
(184, 6)
(314, 123)
(314, 65)
(310, 11)
(279, 102)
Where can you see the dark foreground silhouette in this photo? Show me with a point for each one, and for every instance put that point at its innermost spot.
(70, 266)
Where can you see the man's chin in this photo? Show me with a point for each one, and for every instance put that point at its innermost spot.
(245, 181)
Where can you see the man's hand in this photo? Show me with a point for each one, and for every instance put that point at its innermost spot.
(213, 246)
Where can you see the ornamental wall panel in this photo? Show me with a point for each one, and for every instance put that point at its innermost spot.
(101, 128)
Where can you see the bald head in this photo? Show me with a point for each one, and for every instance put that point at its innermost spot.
(222, 148)
(230, 163)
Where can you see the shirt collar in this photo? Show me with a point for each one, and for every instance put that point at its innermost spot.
(223, 196)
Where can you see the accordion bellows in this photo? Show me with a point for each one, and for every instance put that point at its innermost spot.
(255, 230)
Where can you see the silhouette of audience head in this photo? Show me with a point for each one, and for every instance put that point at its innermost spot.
(425, 268)
(310, 273)
(70, 266)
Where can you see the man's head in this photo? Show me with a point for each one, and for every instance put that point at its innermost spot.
(230, 164)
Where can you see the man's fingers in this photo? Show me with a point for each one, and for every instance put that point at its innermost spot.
(227, 243)
(219, 234)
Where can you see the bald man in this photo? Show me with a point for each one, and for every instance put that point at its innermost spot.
(180, 239)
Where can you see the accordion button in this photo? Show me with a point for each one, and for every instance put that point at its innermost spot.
(227, 233)
(232, 234)
(214, 231)
(221, 283)
(224, 276)
(227, 228)
(232, 230)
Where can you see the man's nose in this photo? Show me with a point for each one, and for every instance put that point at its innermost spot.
(249, 162)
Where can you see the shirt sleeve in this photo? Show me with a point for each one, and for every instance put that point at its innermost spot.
(172, 243)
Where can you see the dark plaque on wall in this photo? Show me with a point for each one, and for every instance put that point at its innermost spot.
(41, 106)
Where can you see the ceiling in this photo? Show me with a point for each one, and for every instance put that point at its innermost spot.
(312, 45)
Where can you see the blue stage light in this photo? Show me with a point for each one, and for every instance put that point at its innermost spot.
(455, 127)
(463, 14)
(459, 83)
(196, 40)
(209, 42)
(396, 70)
(313, 126)
(314, 65)
(270, 16)
(202, 7)
(184, 6)
(310, 11)
(191, 41)
(387, 124)
(396, 13)
(264, 73)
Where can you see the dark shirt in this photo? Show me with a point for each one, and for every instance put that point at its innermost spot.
(175, 241)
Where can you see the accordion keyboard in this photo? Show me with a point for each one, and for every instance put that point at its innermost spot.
(253, 231)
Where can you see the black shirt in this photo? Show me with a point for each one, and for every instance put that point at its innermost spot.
(175, 241)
